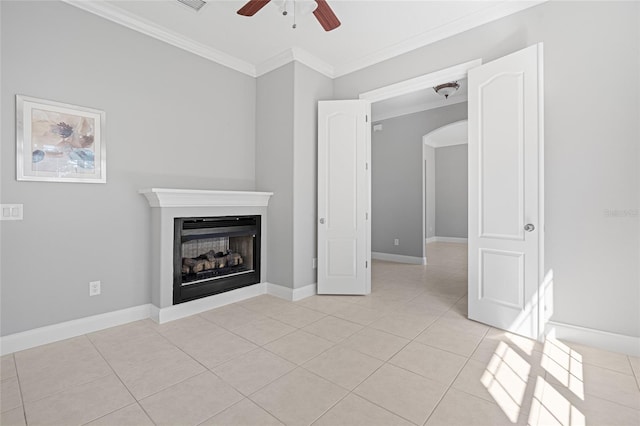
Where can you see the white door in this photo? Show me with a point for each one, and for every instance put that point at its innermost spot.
(506, 192)
(344, 228)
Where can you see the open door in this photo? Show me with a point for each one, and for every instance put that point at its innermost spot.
(506, 192)
(344, 188)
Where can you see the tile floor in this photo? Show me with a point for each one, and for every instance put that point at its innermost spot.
(404, 355)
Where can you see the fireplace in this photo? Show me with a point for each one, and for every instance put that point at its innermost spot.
(203, 208)
(214, 254)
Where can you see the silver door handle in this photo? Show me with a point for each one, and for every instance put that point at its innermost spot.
(529, 227)
(322, 220)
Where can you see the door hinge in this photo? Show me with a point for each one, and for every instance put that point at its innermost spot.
(366, 264)
(366, 216)
(366, 118)
(366, 166)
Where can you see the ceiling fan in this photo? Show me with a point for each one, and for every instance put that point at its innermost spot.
(323, 12)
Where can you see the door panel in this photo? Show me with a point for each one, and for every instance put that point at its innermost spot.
(505, 192)
(341, 258)
(501, 165)
(497, 273)
(343, 197)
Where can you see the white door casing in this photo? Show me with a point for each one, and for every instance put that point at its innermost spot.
(506, 192)
(344, 197)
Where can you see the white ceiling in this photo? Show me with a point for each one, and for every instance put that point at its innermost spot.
(371, 30)
(420, 100)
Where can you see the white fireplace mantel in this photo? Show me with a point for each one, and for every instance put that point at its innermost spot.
(169, 204)
(166, 197)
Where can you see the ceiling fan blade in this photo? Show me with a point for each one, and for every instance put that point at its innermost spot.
(252, 7)
(325, 16)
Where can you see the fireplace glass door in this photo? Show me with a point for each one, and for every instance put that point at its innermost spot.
(215, 254)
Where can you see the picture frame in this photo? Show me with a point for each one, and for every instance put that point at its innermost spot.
(58, 142)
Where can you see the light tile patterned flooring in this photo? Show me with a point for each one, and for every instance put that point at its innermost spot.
(404, 355)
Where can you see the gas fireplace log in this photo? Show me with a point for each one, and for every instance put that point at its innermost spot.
(194, 265)
(199, 266)
(210, 260)
(189, 262)
(234, 259)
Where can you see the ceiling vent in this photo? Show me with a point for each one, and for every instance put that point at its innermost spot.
(193, 4)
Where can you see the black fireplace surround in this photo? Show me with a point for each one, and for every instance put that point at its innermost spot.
(212, 255)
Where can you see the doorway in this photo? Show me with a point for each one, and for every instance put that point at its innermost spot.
(445, 168)
(505, 154)
(410, 246)
(402, 217)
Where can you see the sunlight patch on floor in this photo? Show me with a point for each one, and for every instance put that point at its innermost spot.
(505, 378)
(549, 407)
(524, 344)
(507, 375)
(565, 365)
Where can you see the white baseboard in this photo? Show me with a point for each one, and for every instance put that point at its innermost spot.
(197, 306)
(389, 257)
(291, 294)
(430, 240)
(304, 292)
(68, 329)
(447, 240)
(599, 339)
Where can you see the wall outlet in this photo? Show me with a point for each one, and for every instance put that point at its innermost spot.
(94, 288)
(315, 263)
(396, 242)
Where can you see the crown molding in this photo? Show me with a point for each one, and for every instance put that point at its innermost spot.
(298, 55)
(134, 22)
(313, 62)
(119, 16)
(481, 17)
(274, 62)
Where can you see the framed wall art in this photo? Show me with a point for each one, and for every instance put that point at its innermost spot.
(59, 142)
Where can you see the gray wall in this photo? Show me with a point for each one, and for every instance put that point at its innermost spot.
(286, 163)
(163, 130)
(451, 191)
(592, 162)
(396, 179)
(309, 88)
(274, 167)
(430, 191)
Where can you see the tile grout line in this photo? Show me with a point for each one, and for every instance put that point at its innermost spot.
(136, 401)
(22, 404)
(386, 362)
(633, 371)
(60, 390)
(455, 378)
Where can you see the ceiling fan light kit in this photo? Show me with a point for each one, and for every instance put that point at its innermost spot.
(320, 8)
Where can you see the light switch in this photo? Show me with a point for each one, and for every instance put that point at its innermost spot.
(11, 212)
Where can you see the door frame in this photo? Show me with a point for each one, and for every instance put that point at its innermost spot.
(458, 72)
(425, 81)
(426, 143)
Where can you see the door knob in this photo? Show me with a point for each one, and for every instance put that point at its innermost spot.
(529, 227)
(322, 220)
